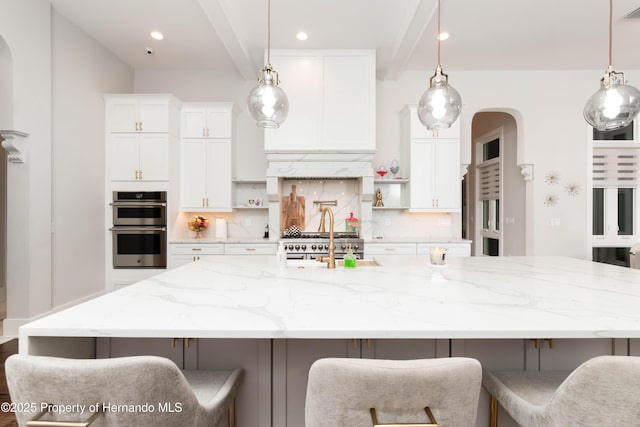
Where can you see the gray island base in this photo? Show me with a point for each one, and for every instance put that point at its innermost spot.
(222, 312)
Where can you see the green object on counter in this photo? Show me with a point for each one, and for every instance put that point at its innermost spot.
(349, 260)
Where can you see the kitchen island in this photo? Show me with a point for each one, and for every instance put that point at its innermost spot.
(275, 321)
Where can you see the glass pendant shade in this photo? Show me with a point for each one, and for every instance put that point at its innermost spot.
(615, 105)
(440, 106)
(267, 103)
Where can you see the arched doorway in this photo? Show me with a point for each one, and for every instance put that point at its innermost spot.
(495, 189)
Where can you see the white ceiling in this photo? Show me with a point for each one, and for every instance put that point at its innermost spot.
(485, 34)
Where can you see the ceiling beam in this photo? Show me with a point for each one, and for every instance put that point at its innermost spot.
(406, 44)
(215, 12)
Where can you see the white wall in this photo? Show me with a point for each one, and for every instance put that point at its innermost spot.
(26, 28)
(6, 122)
(82, 72)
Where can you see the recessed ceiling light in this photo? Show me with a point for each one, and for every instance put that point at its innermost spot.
(156, 35)
(443, 36)
(302, 35)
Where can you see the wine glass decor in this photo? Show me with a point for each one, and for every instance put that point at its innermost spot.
(382, 170)
(394, 167)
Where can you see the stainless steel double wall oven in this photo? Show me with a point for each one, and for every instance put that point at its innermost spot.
(139, 229)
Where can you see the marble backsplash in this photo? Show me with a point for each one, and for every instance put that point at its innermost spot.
(345, 192)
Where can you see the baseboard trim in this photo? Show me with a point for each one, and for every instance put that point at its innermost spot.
(11, 326)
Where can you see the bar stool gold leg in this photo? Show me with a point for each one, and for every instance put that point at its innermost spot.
(232, 413)
(493, 412)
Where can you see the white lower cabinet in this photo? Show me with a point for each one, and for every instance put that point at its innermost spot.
(375, 248)
(184, 253)
(250, 248)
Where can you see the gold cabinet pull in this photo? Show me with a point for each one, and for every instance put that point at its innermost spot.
(368, 343)
(432, 421)
(207, 131)
(196, 249)
(355, 343)
(187, 342)
(204, 131)
(390, 249)
(140, 126)
(207, 202)
(173, 342)
(140, 175)
(536, 342)
(250, 249)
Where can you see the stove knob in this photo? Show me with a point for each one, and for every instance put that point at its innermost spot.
(297, 247)
(326, 247)
(313, 247)
(343, 246)
(355, 246)
(290, 247)
(304, 247)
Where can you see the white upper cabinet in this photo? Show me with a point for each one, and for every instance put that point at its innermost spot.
(141, 113)
(205, 120)
(206, 159)
(205, 175)
(140, 132)
(139, 157)
(434, 165)
(331, 101)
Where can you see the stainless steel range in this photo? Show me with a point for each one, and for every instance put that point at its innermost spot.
(311, 245)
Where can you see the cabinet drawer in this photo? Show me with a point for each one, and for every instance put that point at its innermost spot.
(199, 249)
(250, 249)
(454, 250)
(389, 249)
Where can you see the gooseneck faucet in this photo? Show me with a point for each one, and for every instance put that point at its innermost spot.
(331, 259)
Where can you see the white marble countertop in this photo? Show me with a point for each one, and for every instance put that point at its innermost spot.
(475, 297)
(416, 240)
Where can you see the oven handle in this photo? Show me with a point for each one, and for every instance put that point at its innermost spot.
(134, 204)
(138, 228)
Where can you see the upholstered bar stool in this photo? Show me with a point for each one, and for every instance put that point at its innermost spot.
(365, 392)
(603, 391)
(145, 391)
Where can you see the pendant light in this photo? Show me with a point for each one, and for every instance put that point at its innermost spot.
(267, 103)
(440, 105)
(616, 104)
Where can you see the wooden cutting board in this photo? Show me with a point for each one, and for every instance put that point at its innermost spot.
(292, 210)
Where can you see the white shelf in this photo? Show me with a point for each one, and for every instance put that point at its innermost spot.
(261, 208)
(249, 181)
(390, 208)
(390, 180)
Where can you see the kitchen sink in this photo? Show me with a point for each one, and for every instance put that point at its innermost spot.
(311, 263)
